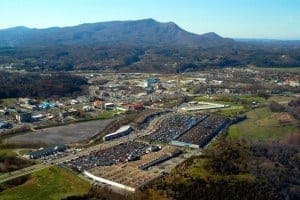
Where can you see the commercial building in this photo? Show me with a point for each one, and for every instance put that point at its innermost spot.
(122, 131)
(109, 106)
(24, 117)
(4, 125)
(47, 151)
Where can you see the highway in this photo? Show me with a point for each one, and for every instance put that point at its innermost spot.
(28, 170)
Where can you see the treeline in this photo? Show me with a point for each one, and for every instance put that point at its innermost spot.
(293, 107)
(230, 170)
(130, 58)
(236, 170)
(13, 183)
(10, 163)
(39, 85)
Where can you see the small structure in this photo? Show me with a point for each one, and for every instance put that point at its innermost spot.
(136, 106)
(98, 104)
(37, 117)
(70, 112)
(47, 105)
(74, 101)
(87, 108)
(24, 117)
(25, 101)
(109, 106)
(4, 125)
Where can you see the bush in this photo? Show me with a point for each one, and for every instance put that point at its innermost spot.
(277, 107)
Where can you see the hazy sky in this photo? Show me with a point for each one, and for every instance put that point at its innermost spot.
(279, 19)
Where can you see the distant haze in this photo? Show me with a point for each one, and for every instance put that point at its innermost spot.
(266, 19)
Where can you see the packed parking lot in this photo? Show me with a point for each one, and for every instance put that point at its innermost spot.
(204, 131)
(117, 154)
(172, 127)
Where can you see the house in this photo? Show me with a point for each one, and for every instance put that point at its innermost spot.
(47, 105)
(109, 106)
(70, 112)
(98, 104)
(25, 101)
(74, 101)
(4, 125)
(23, 117)
(136, 106)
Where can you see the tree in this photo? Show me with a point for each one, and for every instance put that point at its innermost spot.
(276, 107)
(228, 157)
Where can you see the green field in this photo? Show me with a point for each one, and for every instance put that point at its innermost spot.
(197, 169)
(7, 152)
(262, 125)
(108, 114)
(52, 183)
(231, 111)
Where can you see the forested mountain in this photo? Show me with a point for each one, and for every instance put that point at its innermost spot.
(136, 46)
(140, 32)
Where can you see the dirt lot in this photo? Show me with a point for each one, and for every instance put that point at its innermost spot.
(61, 135)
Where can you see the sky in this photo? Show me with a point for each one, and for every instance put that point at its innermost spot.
(268, 19)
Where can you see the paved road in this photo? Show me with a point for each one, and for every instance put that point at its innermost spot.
(28, 170)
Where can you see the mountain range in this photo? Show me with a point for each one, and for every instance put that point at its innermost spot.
(136, 46)
(139, 32)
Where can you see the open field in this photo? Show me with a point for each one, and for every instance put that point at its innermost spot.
(71, 133)
(197, 169)
(263, 125)
(7, 152)
(51, 183)
(108, 114)
(231, 111)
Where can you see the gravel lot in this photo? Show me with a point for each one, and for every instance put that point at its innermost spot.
(71, 133)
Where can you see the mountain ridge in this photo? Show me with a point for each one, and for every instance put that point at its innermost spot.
(136, 32)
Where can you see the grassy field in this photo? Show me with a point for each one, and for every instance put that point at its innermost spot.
(108, 114)
(7, 152)
(51, 183)
(197, 169)
(262, 125)
(231, 111)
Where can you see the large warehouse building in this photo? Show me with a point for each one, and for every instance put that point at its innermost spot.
(122, 131)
